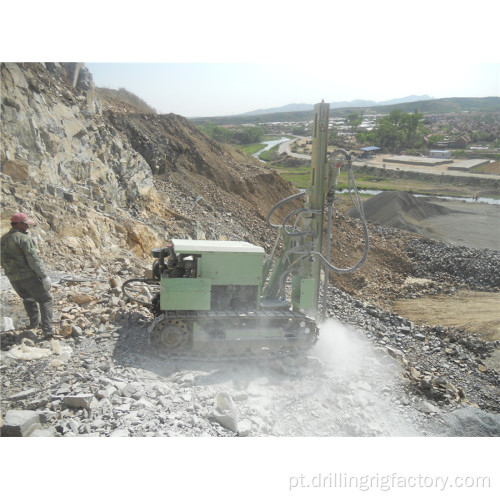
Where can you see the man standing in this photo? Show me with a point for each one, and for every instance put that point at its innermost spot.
(26, 274)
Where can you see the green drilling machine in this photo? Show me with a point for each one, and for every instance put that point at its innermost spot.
(228, 300)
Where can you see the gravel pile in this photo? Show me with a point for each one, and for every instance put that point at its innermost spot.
(399, 209)
(477, 268)
(442, 364)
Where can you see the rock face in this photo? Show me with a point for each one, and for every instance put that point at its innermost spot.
(96, 180)
(54, 135)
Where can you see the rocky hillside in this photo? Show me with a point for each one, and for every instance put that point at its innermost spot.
(96, 180)
(102, 180)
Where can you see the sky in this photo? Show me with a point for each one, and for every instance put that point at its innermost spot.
(217, 89)
(223, 57)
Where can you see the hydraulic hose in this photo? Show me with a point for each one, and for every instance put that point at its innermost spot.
(279, 204)
(359, 207)
(146, 281)
(301, 211)
(308, 253)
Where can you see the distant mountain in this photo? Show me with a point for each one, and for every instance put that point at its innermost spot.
(431, 106)
(357, 103)
(287, 108)
(410, 98)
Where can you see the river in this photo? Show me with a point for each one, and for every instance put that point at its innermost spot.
(270, 144)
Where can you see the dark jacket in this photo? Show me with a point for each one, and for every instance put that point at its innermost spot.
(19, 256)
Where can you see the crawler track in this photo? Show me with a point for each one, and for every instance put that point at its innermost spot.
(231, 335)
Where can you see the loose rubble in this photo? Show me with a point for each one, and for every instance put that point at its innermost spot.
(372, 373)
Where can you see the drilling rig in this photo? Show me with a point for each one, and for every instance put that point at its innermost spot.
(228, 300)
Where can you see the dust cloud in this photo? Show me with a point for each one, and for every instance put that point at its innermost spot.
(343, 387)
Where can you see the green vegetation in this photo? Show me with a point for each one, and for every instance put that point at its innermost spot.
(251, 149)
(267, 155)
(397, 130)
(270, 154)
(243, 135)
(392, 180)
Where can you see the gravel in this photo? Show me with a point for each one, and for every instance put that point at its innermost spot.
(372, 373)
(477, 268)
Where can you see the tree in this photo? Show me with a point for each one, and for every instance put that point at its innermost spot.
(333, 134)
(399, 130)
(249, 135)
(412, 123)
(353, 120)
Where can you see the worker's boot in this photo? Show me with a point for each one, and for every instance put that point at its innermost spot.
(46, 312)
(31, 308)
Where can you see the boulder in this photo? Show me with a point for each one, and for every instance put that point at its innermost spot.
(20, 423)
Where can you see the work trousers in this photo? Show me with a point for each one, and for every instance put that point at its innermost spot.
(35, 296)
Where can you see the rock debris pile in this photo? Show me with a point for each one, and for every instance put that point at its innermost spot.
(475, 268)
(399, 209)
(374, 374)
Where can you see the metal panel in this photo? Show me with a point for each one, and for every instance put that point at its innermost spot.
(202, 246)
(185, 294)
(231, 268)
(303, 293)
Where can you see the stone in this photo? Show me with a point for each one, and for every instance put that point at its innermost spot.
(107, 392)
(65, 329)
(6, 324)
(130, 389)
(114, 301)
(115, 282)
(81, 298)
(244, 427)
(120, 433)
(72, 424)
(22, 395)
(76, 331)
(225, 412)
(78, 401)
(20, 423)
(47, 432)
(426, 407)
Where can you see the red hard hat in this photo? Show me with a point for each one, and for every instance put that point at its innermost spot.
(20, 217)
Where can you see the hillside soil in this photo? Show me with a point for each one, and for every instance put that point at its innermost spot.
(475, 312)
